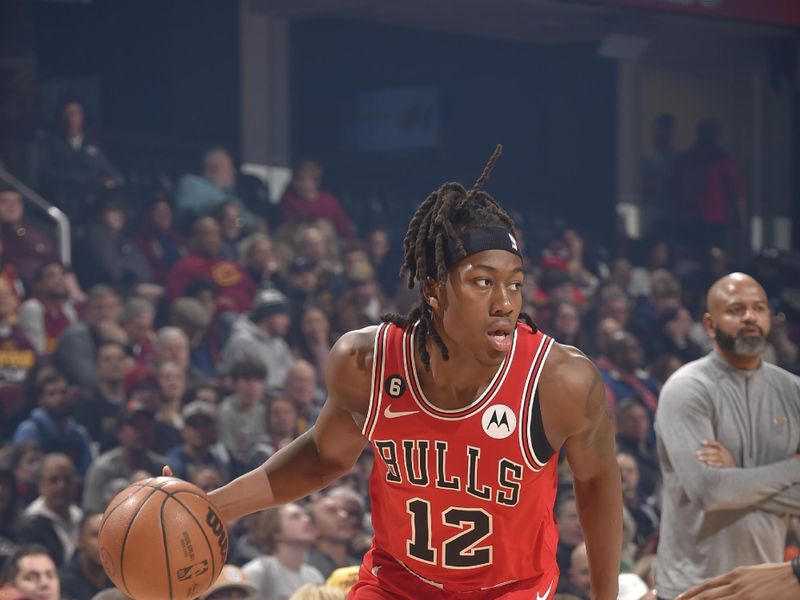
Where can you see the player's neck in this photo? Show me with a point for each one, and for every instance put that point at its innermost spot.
(453, 383)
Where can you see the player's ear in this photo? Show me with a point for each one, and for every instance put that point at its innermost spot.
(431, 293)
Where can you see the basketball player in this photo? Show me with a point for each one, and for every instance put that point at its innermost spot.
(466, 405)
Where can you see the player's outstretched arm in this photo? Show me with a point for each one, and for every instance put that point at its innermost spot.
(591, 451)
(322, 454)
(759, 582)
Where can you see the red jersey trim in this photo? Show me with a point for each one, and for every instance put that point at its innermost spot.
(410, 365)
(527, 405)
(378, 369)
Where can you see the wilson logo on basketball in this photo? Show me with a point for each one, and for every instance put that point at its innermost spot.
(218, 529)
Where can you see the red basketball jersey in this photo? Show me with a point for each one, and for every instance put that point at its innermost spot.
(459, 497)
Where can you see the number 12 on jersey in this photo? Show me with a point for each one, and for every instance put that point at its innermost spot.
(460, 551)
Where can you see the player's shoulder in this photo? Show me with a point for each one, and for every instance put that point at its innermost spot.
(567, 382)
(569, 368)
(349, 368)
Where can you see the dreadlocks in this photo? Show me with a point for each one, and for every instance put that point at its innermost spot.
(445, 214)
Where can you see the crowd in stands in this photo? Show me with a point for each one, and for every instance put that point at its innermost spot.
(193, 329)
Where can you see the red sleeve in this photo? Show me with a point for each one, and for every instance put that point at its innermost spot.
(734, 178)
(338, 216)
(290, 207)
(180, 275)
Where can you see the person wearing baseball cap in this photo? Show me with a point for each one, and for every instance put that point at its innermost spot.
(199, 436)
(260, 335)
(232, 584)
(135, 431)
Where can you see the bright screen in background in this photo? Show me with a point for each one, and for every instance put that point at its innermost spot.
(398, 119)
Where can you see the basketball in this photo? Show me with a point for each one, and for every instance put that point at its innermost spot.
(162, 538)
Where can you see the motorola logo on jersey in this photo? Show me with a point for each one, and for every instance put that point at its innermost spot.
(499, 421)
(394, 386)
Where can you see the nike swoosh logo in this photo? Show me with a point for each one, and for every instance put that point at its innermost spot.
(546, 594)
(390, 414)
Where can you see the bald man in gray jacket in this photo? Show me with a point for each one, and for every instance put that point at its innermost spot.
(728, 436)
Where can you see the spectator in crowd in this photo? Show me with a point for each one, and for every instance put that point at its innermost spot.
(172, 345)
(382, 259)
(281, 429)
(25, 462)
(655, 257)
(193, 319)
(673, 336)
(662, 305)
(728, 431)
(74, 166)
(107, 255)
(17, 354)
(25, 245)
(53, 520)
(635, 501)
(75, 354)
(232, 286)
(708, 193)
(134, 435)
(256, 256)
(656, 169)
(45, 316)
(232, 227)
(614, 305)
(634, 428)
(306, 201)
(356, 507)
(232, 584)
(319, 242)
(172, 385)
(625, 376)
(313, 339)
(318, 592)
(9, 513)
(137, 320)
(83, 576)
(158, 241)
(567, 324)
(302, 283)
(204, 392)
(361, 304)
(285, 535)
(98, 409)
(207, 478)
(300, 388)
(335, 533)
(31, 573)
(143, 387)
(260, 335)
(577, 581)
(242, 416)
(781, 350)
(52, 426)
(570, 534)
(199, 435)
(198, 195)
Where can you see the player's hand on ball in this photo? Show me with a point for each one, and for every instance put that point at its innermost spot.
(166, 471)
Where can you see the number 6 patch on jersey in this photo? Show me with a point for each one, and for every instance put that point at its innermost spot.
(394, 386)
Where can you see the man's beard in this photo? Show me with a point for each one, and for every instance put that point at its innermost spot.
(741, 345)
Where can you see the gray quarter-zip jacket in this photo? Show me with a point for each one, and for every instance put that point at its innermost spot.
(714, 520)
